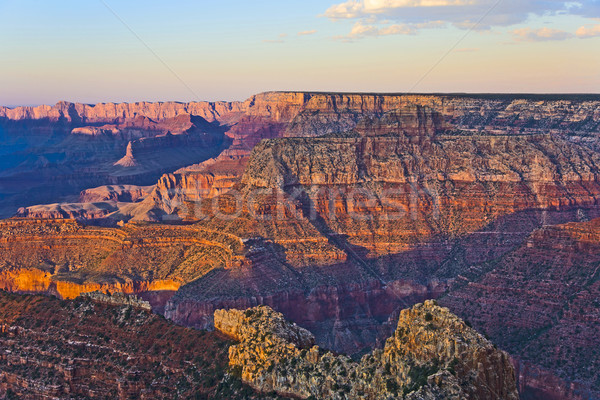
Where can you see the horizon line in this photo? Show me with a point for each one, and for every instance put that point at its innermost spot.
(514, 95)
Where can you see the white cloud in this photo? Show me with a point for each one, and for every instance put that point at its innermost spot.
(305, 33)
(357, 9)
(540, 35)
(585, 32)
(466, 14)
(360, 29)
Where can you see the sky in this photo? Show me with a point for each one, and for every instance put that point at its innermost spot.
(145, 50)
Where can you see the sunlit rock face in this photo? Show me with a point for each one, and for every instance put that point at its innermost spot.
(432, 355)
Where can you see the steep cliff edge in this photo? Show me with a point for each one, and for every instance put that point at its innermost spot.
(432, 355)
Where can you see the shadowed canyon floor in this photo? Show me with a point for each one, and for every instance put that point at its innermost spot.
(356, 206)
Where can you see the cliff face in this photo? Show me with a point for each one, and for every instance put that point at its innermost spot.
(387, 191)
(432, 355)
(540, 302)
(66, 259)
(86, 140)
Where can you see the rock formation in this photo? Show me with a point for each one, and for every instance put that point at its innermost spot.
(119, 193)
(432, 355)
(86, 140)
(118, 298)
(66, 259)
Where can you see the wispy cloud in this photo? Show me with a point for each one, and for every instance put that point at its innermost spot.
(463, 14)
(362, 29)
(540, 35)
(586, 32)
(358, 9)
(306, 33)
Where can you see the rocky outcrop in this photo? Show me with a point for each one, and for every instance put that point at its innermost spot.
(118, 193)
(76, 211)
(432, 355)
(119, 299)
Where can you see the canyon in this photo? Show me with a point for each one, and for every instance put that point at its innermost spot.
(337, 210)
(52, 153)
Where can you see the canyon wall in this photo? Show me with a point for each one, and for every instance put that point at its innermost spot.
(87, 140)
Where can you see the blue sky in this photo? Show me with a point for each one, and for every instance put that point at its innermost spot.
(228, 50)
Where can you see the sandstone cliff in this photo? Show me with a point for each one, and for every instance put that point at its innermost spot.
(433, 355)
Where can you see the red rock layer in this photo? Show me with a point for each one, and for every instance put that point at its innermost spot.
(540, 302)
(82, 349)
(66, 259)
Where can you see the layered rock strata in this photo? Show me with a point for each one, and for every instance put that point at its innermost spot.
(540, 303)
(68, 128)
(66, 259)
(53, 349)
(369, 212)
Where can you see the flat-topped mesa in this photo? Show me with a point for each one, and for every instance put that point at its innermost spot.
(433, 355)
(411, 120)
(117, 298)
